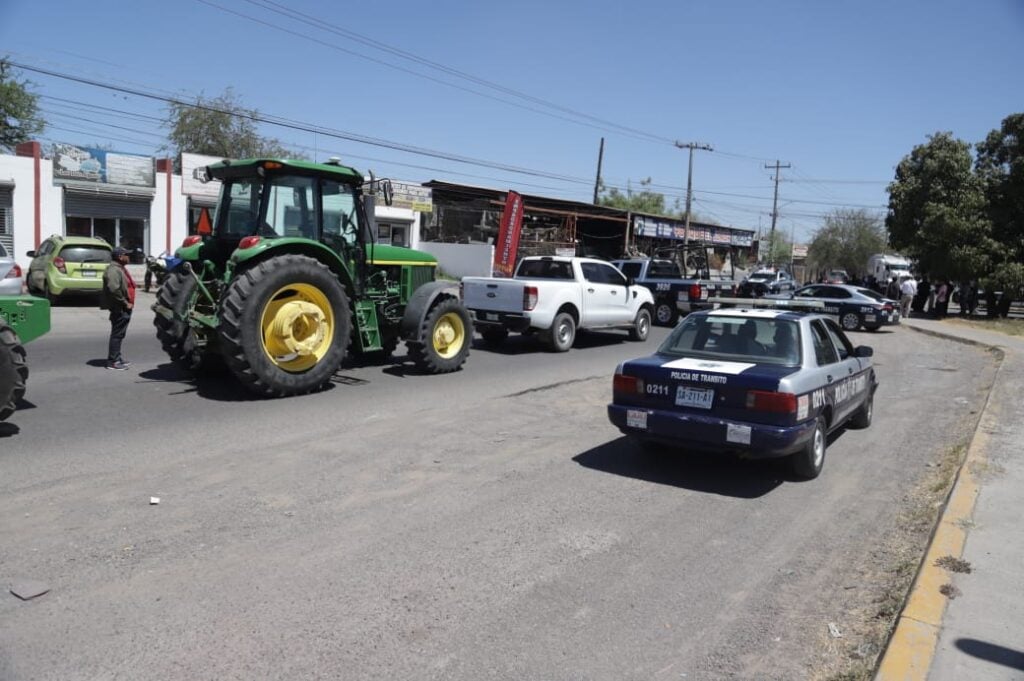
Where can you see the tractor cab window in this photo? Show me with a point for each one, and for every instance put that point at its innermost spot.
(239, 207)
(290, 207)
(342, 222)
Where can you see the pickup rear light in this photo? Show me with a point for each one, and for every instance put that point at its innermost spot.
(766, 400)
(529, 298)
(61, 266)
(630, 385)
(14, 272)
(191, 240)
(695, 292)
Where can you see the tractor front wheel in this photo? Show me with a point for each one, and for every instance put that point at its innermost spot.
(177, 337)
(285, 326)
(13, 371)
(444, 338)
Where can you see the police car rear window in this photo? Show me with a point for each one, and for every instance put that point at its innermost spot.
(763, 340)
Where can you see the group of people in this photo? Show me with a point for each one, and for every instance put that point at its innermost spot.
(932, 298)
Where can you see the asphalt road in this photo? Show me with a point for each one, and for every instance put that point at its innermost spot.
(488, 524)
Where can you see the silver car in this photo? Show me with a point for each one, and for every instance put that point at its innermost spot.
(10, 274)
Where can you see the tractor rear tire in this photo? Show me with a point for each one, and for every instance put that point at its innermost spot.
(13, 371)
(291, 302)
(176, 337)
(444, 338)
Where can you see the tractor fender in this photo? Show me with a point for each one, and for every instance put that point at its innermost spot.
(420, 303)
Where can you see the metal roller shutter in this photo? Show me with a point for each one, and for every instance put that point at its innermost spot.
(105, 207)
(6, 218)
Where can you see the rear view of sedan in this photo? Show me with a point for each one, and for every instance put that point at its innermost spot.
(10, 274)
(760, 383)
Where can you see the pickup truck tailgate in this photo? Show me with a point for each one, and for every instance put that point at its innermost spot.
(498, 295)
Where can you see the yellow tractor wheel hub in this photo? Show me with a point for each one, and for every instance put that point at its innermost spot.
(297, 326)
(449, 335)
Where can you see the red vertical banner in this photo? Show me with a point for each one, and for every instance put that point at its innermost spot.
(508, 235)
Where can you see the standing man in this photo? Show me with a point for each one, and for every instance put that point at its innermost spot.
(907, 290)
(119, 297)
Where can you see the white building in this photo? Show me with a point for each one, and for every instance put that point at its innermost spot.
(134, 201)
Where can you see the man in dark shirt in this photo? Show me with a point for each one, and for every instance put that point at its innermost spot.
(118, 296)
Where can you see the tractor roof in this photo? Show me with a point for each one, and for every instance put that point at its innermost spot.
(245, 166)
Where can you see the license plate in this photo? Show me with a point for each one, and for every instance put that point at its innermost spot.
(701, 398)
(636, 418)
(87, 273)
(490, 316)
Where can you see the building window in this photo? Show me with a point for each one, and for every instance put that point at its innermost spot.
(7, 219)
(127, 233)
(393, 233)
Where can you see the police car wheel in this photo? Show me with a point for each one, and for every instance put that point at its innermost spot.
(666, 314)
(862, 417)
(850, 321)
(807, 463)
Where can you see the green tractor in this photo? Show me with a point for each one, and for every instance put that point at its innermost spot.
(289, 280)
(22, 319)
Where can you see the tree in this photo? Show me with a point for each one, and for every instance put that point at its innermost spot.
(20, 119)
(938, 212)
(775, 249)
(846, 240)
(1000, 168)
(222, 127)
(644, 201)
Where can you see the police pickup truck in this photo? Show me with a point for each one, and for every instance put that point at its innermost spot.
(763, 380)
(674, 293)
(554, 296)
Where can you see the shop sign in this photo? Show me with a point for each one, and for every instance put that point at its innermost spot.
(410, 196)
(192, 186)
(86, 164)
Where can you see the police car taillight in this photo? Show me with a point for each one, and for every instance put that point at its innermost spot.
(778, 403)
(529, 298)
(631, 385)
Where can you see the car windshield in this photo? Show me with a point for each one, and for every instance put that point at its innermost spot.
(85, 254)
(874, 295)
(761, 276)
(725, 337)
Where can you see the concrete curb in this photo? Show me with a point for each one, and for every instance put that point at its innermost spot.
(911, 648)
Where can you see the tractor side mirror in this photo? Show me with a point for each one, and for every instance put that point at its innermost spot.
(30, 254)
(388, 191)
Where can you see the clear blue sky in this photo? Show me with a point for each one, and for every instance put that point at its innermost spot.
(839, 90)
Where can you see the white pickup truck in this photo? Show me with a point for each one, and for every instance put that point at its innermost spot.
(555, 296)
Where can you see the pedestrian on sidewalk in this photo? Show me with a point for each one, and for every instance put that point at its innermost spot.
(118, 296)
(892, 291)
(907, 290)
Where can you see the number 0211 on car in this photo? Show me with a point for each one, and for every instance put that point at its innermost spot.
(694, 397)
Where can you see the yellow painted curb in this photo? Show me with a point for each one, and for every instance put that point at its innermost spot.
(910, 651)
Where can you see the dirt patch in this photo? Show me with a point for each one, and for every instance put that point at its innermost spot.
(953, 564)
(1011, 327)
(950, 591)
(886, 575)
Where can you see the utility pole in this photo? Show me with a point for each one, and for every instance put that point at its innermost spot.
(689, 183)
(775, 211)
(597, 180)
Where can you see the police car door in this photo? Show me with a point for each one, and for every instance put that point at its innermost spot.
(855, 384)
(832, 371)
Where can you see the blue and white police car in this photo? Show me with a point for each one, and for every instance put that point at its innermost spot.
(852, 306)
(764, 379)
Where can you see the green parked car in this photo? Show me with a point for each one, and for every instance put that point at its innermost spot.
(67, 265)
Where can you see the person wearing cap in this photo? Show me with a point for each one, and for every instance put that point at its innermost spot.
(118, 297)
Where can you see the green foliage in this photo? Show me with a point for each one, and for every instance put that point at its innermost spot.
(643, 201)
(20, 119)
(1000, 167)
(220, 126)
(846, 240)
(938, 211)
(775, 249)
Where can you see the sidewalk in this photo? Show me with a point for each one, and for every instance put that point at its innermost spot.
(979, 634)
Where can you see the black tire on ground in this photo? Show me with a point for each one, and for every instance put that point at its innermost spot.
(665, 313)
(562, 333)
(241, 336)
(444, 338)
(13, 371)
(641, 325)
(494, 335)
(807, 463)
(862, 417)
(178, 340)
(850, 321)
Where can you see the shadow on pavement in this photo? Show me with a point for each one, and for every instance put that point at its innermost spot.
(725, 475)
(1008, 657)
(215, 384)
(9, 430)
(518, 344)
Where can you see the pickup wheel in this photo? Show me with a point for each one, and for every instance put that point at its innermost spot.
(665, 313)
(562, 333)
(641, 325)
(494, 335)
(807, 463)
